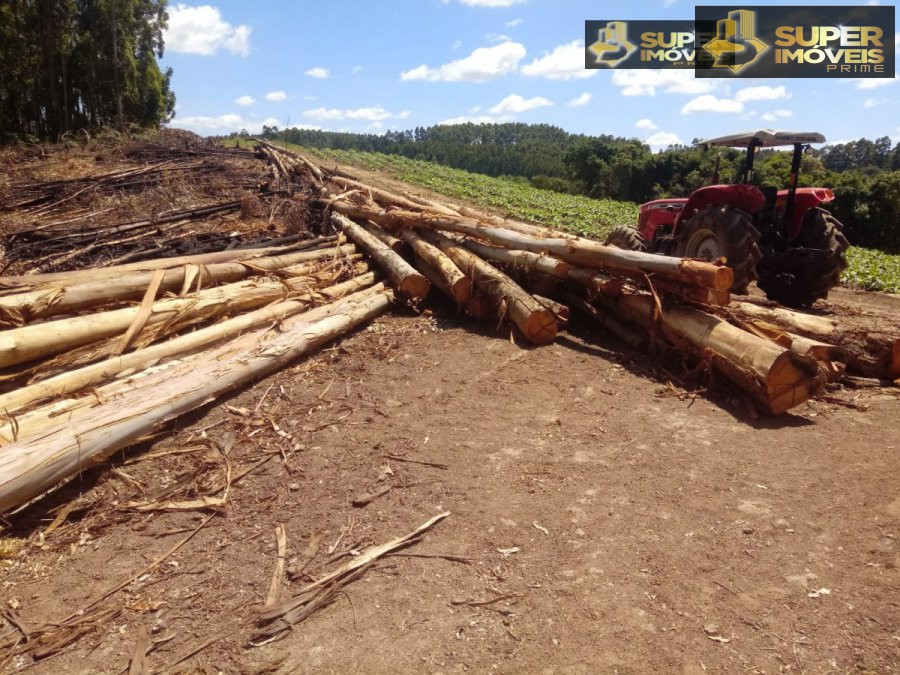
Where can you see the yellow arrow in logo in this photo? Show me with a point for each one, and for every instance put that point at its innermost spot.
(736, 45)
(612, 46)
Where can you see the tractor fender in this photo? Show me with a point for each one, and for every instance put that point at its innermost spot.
(748, 198)
(658, 214)
(806, 198)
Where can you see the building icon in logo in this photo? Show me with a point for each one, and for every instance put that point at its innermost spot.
(736, 45)
(612, 46)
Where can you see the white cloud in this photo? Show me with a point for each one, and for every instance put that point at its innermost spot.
(580, 101)
(245, 100)
(563, 63)
(310, 98)
(497, 37)
(871, 103)
(223, 124)
(645, 124)
(647, 82)
(514, 104)
(477, 119)
(873, 83)
(709, 103)
(513, 23)
(491, 3)
(201, 30)
(762, 93)
(776, 115)
(276, 96)
(319, 73)
(373, 114)
(356, 70)
(661, 140)
(456, 45)
(482, 65)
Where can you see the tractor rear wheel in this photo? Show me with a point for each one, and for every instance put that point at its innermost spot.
(722, 232)
(800, 276)
(626, 237)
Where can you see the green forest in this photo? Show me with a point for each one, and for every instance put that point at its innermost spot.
(864, 174)
(69, 65)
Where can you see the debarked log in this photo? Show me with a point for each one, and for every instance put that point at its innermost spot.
(31, 466)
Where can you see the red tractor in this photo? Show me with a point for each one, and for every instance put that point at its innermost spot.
(781, 238)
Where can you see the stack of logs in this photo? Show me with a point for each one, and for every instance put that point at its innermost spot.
(100, 358)
(94, 360)
(776, 357)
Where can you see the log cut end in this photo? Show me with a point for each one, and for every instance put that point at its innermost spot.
(414, 287)
(791, 380)
(541, 327)
(706, 274)
(461, 290)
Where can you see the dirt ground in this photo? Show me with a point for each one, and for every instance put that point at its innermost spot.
(603, 523)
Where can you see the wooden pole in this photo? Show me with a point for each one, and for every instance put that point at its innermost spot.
(537, 323)
(571, 249)
(443, 271)
(20, 308)
(31, 466)
(74, 380)
(407, 280)
(20, 345)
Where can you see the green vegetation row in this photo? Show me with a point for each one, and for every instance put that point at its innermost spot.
(869, 269)
(513, 198)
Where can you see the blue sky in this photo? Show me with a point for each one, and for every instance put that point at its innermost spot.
(351, 65)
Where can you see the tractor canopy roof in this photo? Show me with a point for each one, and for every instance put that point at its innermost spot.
(766, 138)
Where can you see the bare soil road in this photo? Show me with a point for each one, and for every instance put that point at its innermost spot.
(603, 521)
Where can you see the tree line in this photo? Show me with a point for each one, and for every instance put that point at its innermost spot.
(67, 65)
(864, 174)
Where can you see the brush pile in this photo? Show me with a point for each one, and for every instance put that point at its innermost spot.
(113, 326)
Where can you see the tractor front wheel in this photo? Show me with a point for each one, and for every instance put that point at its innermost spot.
(799, 276)
(626, 237)
(722, 232)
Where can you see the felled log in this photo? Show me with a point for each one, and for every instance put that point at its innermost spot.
(31, 466)
(21, 345)
(408, 281)
(386, 238)
(571, 249)
(439, 268)
(96, 273)
(74, 380)
(523, 259)
(776, 378)
(870, 352)
(20, 308)
(537, 323)
(386, 198)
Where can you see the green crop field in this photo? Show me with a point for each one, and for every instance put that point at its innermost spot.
(869, 269)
